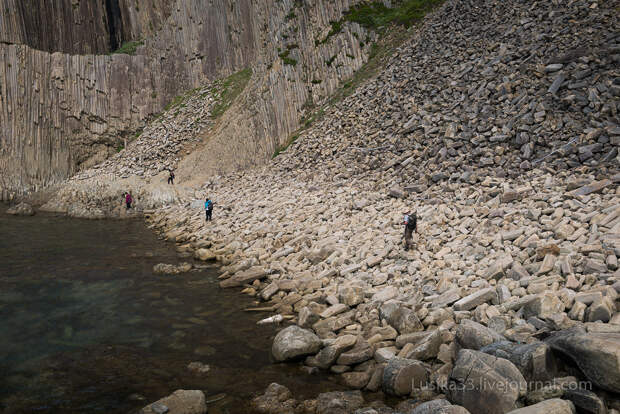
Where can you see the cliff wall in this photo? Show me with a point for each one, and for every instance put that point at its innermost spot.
(62, 111)
(79, 26)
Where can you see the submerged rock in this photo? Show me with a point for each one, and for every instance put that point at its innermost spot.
(179, 402)
(339, 402)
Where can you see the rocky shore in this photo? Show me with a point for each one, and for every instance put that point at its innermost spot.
(498, 123)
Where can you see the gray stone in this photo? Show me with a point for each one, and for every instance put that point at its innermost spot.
(404, 320)
(339, 402)
(477, 298)
(553, 406)
(427, 348)
(179, 402)
(293, 342)
(557, 83)
(484, 384)
(21, 209)
(401, 375)
(535, 361)
(585, 400)
(596, 354)
(472, 335)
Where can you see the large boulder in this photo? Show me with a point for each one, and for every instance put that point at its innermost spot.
(544, 306)
(485, 384)
(404, 320)
(179, 402)
(596, 354)
(293, 342)
(425, 349)
(401, 375)
(438, 407)
(21, 209)
(472, 335)
(246, 276)
(205, 255)
(585, 400)
(535, 361)
(553, 406)
(339, 402)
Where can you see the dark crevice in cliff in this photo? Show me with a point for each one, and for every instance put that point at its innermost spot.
(114, 21)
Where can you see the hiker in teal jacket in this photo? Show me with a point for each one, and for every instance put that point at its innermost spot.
(208, 209)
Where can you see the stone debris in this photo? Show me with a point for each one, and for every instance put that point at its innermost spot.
(500, 130)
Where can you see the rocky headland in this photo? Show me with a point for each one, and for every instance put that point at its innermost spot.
(497, 122)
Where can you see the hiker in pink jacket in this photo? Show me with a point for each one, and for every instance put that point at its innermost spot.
(128, 200)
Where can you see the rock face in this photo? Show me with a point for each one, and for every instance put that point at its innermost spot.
(89, 106)
(596, 354)
(485, 384)
(80, 27)
(179, 402)
(293, 342)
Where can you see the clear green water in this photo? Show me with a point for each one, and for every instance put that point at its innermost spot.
(85, 326)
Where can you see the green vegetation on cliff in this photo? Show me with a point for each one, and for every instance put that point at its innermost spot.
(375, 15)
(229, 89)
(128, 48)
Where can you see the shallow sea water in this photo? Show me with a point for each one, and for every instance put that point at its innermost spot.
(85, 325)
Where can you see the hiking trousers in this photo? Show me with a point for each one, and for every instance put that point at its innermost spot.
(408, 235)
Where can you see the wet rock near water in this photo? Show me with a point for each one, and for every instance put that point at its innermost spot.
(294, 342)
(179, 402)
(172, 269)
(21, 209)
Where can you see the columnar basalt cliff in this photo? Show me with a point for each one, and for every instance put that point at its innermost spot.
(62, 111)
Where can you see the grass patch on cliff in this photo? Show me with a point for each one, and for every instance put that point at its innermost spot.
(313, 115)
(375, 15)
(128, 48)
(229, 89)
(285, 146)
(287, 59)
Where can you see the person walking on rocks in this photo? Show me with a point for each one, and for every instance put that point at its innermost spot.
(411, 224)
(128, 200)
(171, 178)
(208, 209)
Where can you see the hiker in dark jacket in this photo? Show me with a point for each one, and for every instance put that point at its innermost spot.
(171, 178)
(208, 209)
(411, 224)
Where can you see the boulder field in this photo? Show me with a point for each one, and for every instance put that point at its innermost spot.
(497, 122)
